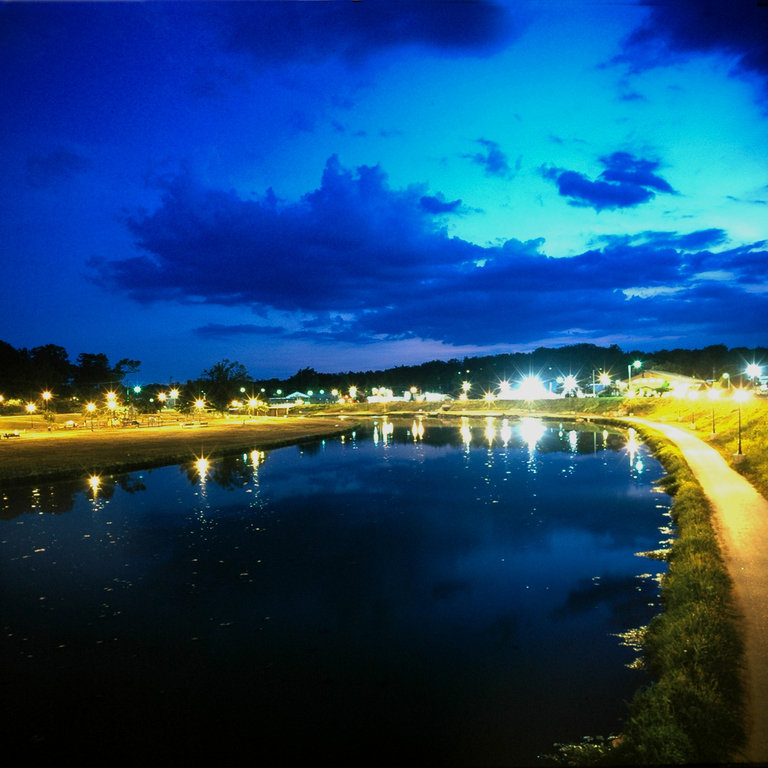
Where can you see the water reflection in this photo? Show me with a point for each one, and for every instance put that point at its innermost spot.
(240, 471)
(438, 587)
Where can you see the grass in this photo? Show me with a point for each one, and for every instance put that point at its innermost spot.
(692, 712)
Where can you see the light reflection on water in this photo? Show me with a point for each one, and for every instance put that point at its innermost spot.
(450, 592)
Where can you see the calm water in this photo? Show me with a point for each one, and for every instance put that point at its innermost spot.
(442, 594)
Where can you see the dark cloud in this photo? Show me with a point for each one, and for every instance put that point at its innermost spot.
(361, 261)
(220, 331)
(280, 31)
(342, 246)
(492, 159)
(627, 181)
(59, 165)
(438, 204)
(674, 29)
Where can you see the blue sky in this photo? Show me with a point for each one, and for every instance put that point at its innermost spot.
(355, 185)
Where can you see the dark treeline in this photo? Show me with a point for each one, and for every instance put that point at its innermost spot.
(26, 373)
(485, 373)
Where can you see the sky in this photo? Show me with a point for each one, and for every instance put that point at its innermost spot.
(359, 185)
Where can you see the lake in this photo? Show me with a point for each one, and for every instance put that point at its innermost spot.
(450, 593)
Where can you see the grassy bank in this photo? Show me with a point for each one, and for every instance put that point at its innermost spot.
(693, 711)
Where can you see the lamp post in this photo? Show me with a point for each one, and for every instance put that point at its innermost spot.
(31, 408)
(712, 395)
(740, 395)
(754, 372)
(636, 364)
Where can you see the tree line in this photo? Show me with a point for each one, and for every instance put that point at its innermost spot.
(26, 373)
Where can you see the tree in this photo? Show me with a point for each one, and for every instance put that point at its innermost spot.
(51, 369)
(222, 381)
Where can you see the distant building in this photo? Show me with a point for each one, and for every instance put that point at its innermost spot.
(656, 383)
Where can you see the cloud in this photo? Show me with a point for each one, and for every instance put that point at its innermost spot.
(356, 260)
(220, 331)
(311, 32)
(626, 182)
(57, 166)
(438, 204)
(343, 246)
(674, 30)
(493, 160)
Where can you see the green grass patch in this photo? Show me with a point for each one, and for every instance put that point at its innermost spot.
(692, 712)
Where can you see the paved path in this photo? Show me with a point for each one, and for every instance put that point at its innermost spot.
(741, 522)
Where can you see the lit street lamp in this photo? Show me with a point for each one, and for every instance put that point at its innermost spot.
(31, 408)
(754, 372)
(636, 364)
(712, 394)
(740, 395)
(91, 407)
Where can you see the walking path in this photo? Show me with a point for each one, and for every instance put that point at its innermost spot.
(741, 522)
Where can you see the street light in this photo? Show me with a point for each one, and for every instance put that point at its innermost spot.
(91, 407)
(636, 364)
(740, 395)
(713, 394)
(31, 408)
(754, 371)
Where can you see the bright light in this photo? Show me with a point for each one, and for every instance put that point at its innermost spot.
(605, 379)
(199, 404)
(505, 391)
(353, 392)
(754, 371)
(253, 402)
(740, 395)
(490, 430)
(531, 430)
(174, 393)
(111, 397)
(570, 384)
(90, 407)
(489, 397)
(202, 466)
(531, 388)
(466, 386)
(47, 395)
(161, 397)
(637, 363)
(713, 393)
(31, 407)
(94, 481)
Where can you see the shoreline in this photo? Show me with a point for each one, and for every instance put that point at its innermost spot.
(42, 456)
(59, 455)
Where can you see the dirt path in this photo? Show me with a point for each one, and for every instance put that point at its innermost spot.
(741, 522)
